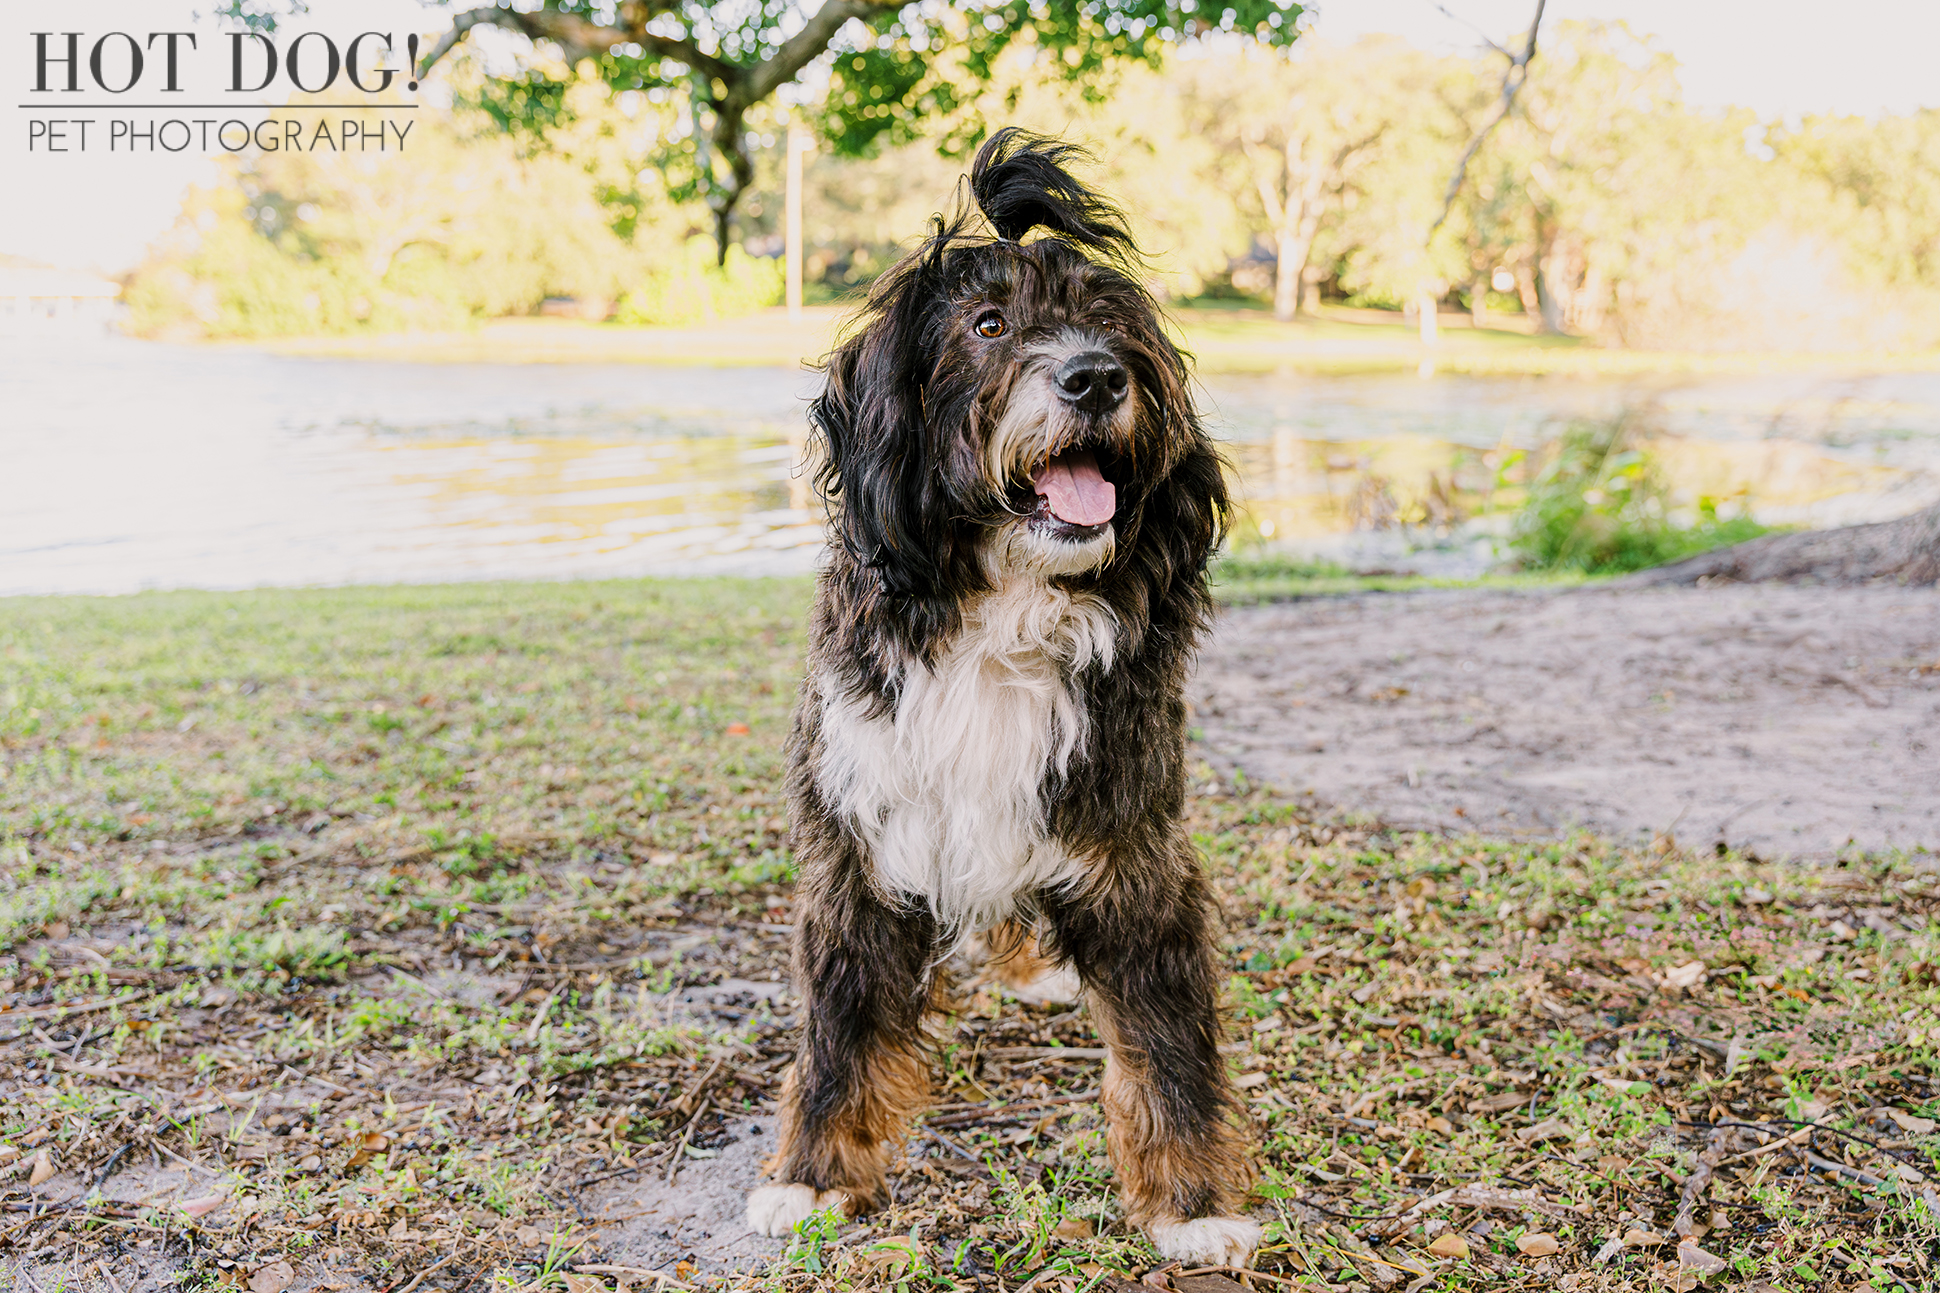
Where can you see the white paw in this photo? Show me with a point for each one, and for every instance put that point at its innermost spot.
(1056, 985)
(1209, 1241)
(775, 1209)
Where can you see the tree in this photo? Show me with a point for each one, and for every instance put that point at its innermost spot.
(891, 65)
(1302, 132)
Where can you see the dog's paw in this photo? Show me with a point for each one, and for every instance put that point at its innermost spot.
(775, 1209)
(1054, 985)
(1208, 1241)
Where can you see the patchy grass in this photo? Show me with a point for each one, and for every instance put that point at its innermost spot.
(1264, 575)
(343, 928)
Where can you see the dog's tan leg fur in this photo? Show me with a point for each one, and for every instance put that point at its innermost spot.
(857, 1142)
(1167, 1174)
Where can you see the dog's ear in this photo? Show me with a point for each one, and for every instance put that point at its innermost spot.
(881, 473)
(1023, 181)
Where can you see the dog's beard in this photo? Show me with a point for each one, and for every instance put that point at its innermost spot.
(1066, 511)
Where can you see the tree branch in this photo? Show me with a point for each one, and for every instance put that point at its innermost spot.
(1512, 81)
(807, 44)
(578, 38)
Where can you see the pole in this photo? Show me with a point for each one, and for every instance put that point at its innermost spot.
(797, 145)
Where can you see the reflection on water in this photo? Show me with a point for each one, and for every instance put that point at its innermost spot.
(1321, 458)
(131, 465)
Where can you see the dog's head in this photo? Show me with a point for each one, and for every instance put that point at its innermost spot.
(1006, 407)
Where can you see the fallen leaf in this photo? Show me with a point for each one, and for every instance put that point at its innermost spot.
(894, 1257)
(1684, 976)
(1074, 1228)
(739, 729)
(1303, 965)
(1642, 1239)
(1247, 1081)
(585, 1284)
(203, 1206)
(1449, 1244)
(273, 1278)
(685, 1269)
(43, 1169)
(400, 1229)
(1497, 1103)
(1539, 1243)
(1442, 1125)
(1693, 1258)
(1548, 1129)
(1910, 1124)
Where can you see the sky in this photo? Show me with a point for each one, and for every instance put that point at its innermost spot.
(1780, 57)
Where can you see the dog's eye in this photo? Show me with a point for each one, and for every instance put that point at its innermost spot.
(990, 324)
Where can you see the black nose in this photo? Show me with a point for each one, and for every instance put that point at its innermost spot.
(1093, 381)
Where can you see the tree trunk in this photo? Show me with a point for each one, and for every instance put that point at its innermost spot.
(1300, 213)
(1906, 551)
(1288, 272)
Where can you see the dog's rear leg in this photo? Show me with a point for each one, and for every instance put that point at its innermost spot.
(1018, 962)
(1142, 943)
(863, 976)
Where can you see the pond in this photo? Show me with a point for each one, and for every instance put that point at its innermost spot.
(131, 465)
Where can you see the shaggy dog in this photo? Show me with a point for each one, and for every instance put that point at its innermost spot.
(991, 733)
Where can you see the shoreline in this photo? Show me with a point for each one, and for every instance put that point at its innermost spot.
(1236, 342)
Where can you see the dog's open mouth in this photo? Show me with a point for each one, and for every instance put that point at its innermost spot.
(1074, 500)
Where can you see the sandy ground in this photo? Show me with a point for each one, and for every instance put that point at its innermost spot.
(1785, 721)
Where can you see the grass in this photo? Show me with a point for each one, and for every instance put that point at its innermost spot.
(368, 904)
(1265, 575)
(1601, 504)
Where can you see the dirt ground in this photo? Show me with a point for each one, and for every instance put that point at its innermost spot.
(1780, 720)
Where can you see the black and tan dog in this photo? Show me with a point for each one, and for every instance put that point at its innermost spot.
(991, 734)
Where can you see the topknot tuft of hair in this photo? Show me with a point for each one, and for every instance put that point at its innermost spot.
(1023, 181)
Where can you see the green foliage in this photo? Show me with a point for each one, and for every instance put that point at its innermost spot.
(690, 285)
(1601, 506)
(300, 242)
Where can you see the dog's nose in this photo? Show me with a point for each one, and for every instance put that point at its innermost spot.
(1093, 381)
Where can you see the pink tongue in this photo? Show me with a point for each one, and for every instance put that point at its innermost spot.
(1077, 493)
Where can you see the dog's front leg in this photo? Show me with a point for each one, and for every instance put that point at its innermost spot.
(863, 977)
(1143, 945)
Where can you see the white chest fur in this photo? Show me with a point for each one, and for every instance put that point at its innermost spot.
(946, 793)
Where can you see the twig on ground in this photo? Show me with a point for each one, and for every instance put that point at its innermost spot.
(686, 1133)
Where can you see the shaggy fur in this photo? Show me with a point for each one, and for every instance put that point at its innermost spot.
(991, 734)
